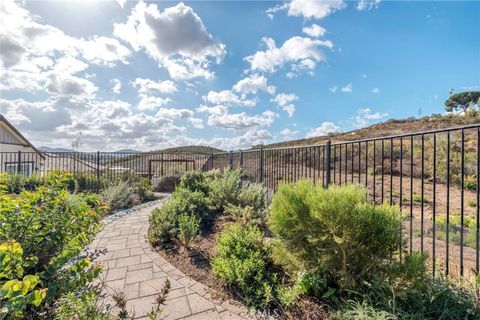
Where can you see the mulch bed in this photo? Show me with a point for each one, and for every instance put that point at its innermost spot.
(196, 264)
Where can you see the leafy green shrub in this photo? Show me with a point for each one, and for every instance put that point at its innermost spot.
(43, 234)
(82, 305)
(118, 196)
(195, 181)
(166, 183)
(144, 190)
(241, 261)
(225, 188)
(334, 231)
(165, 220)
(472, 203)
(253, 195)
(164, 224)
(246, 215)
(188, 229)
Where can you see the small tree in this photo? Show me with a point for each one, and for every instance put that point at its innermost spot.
(462, 100)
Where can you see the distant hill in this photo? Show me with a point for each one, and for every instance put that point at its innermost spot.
(191, 149)
(48, 149)
(388, 128)
(127, 151)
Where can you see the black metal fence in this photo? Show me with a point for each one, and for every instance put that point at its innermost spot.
(432, 176)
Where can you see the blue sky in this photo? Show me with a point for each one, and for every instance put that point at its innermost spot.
(148, 75)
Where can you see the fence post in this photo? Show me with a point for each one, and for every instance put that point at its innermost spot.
(98, 166)
(241, 158)
(327, 164)
(211, 157)
(230, 159)
(161, 167)
(19, 162)
(261, 164)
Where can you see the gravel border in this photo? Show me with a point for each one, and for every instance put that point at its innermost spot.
(122, 213)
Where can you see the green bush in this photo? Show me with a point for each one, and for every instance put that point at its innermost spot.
(335, 231)
(225, 188)
(118, 196)
(81, 305)
(246, 215)
(166, 183)
(42, 234)
(144, 187)
(241, 261)
(165, 220)
(188, 229)
(195, 181)
(253, 195)
(164, 224)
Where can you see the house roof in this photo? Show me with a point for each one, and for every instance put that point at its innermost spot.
(12, 127)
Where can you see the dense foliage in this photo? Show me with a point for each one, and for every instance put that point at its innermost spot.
(43, 234)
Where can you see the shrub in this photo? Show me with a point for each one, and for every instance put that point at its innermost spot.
(195, 181)
(117, 196)
(246, 215)
(188, 229)
(253, 195)
(335, 231)
(241, 261)
(164, 224)
(225, 188)
(166, 183)
(42, 236)
(165, 220)
(144, 187)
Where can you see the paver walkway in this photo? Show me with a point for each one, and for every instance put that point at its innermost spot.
(131, 266)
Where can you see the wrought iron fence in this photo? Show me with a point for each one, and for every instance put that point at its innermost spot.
(433, 176)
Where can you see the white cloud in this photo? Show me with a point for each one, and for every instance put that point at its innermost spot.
(147, 86)
(175, 37)
(240, 121)
(117, 86)
(151, 102)
(314, 31)
(365, 115)
(253, 84)
(218, 110)
(347, 88)
(368, 4)
(376, 90)
(304, 51)
(324, 129)
(227, 97)
(70, 86)
(333, 89)
(309, 9)
(285, 100)
(121, 3)
(289, 134)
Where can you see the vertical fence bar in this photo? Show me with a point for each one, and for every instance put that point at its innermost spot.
(327, 164)
(19, 162)
(261, 164)
(366, 165)
(411, 194)
(477, 236)
(374, 170)
(447, 233)
(434, 200)
(391, 171)
(359, 162)
(462, 199)
(383, 169)
(98, 166)
(400, 196)
(422, 186)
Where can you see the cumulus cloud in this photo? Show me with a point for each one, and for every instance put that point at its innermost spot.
(175, 37)
(347, 88)
(376, 90)
(368, 4)
(304, 51)
(117, 86)
(253, 84)
(147, 86)
(365, 116)
(309, 9)
(324, 129)
(284, 100)
(241, 121)
(228, 98)
(314, 31)
(151, 102)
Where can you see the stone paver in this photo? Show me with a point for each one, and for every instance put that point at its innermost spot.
(132, 267)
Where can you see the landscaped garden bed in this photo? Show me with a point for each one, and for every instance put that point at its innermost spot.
(312, 253)
(46, 225)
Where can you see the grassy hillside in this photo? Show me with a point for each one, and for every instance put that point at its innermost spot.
(389, 127)
(191, 150)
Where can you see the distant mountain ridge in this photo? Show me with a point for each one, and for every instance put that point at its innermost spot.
(186, 149)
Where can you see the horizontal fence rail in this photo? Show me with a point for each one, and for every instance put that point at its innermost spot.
(433, 177)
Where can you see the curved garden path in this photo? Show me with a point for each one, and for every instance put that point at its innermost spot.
(133, 267)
